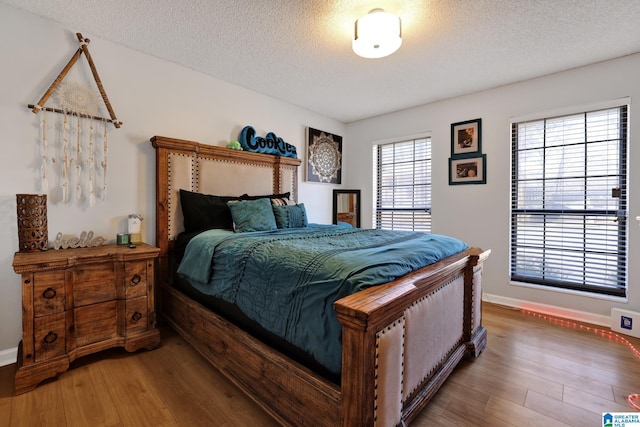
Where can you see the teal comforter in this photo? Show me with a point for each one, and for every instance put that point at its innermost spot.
(287, 280)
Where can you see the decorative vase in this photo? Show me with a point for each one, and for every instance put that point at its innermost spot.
(32, 222)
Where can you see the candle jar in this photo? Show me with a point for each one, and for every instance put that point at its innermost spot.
(135, 228)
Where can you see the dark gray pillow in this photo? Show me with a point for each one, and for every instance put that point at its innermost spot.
(205, 211)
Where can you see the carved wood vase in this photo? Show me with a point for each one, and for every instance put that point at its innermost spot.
(33, 234)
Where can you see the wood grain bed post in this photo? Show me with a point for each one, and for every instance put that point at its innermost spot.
(164, 147)
(475, 335)
(162, 207)
(358, 373)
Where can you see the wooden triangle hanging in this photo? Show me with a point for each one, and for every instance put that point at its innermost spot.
(84, 48)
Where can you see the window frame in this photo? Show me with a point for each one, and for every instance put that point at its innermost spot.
(621, 213)
(379, 209)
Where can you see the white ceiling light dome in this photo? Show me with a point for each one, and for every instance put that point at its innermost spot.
(377, 34)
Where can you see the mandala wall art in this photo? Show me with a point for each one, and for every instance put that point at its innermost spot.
(324, 157)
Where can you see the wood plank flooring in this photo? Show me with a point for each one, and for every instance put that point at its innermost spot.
(534, 372)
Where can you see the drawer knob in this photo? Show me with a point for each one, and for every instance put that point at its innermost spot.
(49, 293)
(136, 316)
(51, 337)
(135, 279)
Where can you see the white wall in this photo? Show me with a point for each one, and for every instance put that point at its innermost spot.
(151, 97)
(479, 214)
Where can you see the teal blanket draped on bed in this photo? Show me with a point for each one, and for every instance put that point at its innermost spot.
(287, 280)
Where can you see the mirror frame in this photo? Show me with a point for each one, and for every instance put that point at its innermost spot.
(335, 204)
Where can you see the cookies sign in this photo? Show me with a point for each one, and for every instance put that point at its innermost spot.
(270, 144)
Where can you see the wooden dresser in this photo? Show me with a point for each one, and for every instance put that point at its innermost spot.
(80, 301)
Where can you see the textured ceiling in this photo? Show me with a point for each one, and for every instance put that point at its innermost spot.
(299, 51)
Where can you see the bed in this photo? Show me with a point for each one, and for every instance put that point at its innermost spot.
(399, 340)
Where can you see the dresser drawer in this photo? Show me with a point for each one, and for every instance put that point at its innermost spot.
(135, 278)
(136, 315)
(48, 293)
(49, 336)
(94, 283)
(94, 323)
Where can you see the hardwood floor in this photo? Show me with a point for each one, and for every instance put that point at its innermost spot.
(534, 372)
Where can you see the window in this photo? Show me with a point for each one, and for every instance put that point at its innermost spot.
(403, 185)
(569, 202)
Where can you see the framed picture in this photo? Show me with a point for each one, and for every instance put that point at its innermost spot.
(468, 170)
(466, 138)
(324, 157)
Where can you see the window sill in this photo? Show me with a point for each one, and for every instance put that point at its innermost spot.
(611, 298)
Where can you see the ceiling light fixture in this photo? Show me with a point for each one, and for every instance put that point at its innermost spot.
(377, 34)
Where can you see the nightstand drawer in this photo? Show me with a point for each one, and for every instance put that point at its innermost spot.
(49, 336)
(95, 323)
(136, 315)
(94, 283)
(48, 292)
(135, 278)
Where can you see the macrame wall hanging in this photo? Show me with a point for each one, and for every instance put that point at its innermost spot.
(74, 146)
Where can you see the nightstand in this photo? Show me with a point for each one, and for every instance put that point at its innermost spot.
(80, 301)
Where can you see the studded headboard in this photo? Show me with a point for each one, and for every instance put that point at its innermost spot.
(207, 169)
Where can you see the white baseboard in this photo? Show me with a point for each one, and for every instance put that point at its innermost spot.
(550, 310)
(9, 356)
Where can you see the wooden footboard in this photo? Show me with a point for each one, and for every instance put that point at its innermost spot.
(400, 342)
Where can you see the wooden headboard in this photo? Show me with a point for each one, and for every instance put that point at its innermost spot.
(207, 169)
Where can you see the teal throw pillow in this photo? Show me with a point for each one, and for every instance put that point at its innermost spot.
(252, 215)
(290, 216)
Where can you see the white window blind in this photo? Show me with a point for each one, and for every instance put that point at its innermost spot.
(403, 185)
(569, 201)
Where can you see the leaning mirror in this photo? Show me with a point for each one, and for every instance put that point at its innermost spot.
(346, 207)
